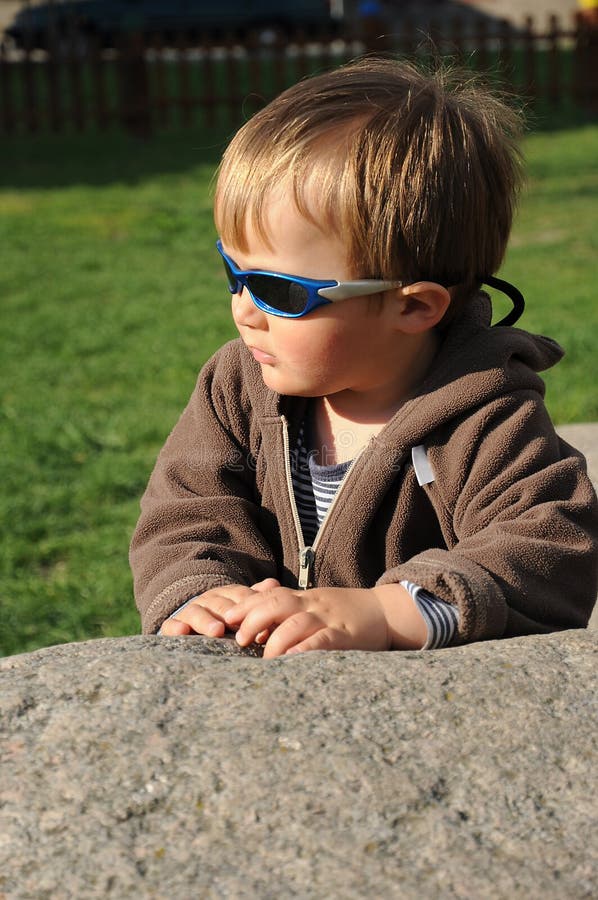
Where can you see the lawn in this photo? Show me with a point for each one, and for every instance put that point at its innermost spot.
(113, 297)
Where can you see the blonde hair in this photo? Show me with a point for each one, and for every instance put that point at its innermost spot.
(417, 172)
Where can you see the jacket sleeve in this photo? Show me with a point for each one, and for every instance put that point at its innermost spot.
(520, 521)
(199, 522)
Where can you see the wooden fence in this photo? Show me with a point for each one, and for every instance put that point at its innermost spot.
(145, 85)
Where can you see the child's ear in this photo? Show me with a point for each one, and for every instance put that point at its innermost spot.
(424, 303)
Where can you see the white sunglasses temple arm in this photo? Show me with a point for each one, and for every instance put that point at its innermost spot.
(345, 289)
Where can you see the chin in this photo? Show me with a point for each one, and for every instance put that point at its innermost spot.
(287, 386)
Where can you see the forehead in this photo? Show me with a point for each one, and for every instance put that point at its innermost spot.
(287, 241)
(312, 176)
(276, 215)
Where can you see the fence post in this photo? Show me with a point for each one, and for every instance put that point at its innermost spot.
(98, 85)
(482, 46)
(208, 82)
(457, 40)
(7, 113)
(52, 72)
(29, 85)
(554, 70)
(134, 86)
(408, 43)
(75, 70)
(586, 50)
(184, 81)
(374, 33)
(231, 86)
(506, 53)
(161, 99)
(529, 59)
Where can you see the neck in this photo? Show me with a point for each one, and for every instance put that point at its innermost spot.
(346, 421)
(378, 401)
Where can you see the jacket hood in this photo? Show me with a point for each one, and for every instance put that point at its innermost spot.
(478, 362)
(474, 326)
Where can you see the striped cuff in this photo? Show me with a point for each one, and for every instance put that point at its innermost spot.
(441, 618)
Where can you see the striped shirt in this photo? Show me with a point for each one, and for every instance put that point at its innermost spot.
(315, 487)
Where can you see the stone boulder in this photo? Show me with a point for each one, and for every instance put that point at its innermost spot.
(150, 767)
(584, 436)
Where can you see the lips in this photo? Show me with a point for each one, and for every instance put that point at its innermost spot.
(262, 357)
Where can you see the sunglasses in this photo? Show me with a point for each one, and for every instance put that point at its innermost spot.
(292, 296)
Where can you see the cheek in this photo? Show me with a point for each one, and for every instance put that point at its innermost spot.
(307, 357)
(315, 348)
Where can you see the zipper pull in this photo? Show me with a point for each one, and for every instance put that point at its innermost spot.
(306, 561)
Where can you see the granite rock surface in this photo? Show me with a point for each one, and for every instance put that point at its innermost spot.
(153, 767)
(584, 436)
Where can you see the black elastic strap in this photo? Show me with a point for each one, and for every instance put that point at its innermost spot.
(513, 294)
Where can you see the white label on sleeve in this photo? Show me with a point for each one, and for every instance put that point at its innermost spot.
(421, 464)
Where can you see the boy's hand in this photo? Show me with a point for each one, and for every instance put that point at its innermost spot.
(378, 618)
(205, 614)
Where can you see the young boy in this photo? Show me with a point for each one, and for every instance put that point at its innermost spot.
(371, 464)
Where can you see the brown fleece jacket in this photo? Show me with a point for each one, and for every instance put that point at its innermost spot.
(507, 530)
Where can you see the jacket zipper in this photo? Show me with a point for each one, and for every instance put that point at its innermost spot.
(306, 563)
(307, 555)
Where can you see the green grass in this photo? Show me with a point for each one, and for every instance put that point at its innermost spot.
(112, 298)
(552, 258)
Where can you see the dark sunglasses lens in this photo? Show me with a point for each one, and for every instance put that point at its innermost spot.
(232, 281)
(286, 296)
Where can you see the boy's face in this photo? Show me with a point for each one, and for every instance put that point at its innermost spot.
(343, 346)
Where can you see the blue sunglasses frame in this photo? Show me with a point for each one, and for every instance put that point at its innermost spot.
(298, 296)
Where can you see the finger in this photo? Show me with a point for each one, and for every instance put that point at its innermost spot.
(201, 620)
(233, 593)
(293, 632)
(265, 585)
(237, 612)
(217, 601)
(173, 628)
(264, 611)
(324, 639)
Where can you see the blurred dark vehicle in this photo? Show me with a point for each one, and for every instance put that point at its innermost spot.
(106, 21)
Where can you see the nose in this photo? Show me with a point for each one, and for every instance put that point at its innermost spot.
(246, 313)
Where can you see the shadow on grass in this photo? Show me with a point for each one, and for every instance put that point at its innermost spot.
(98, 158)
